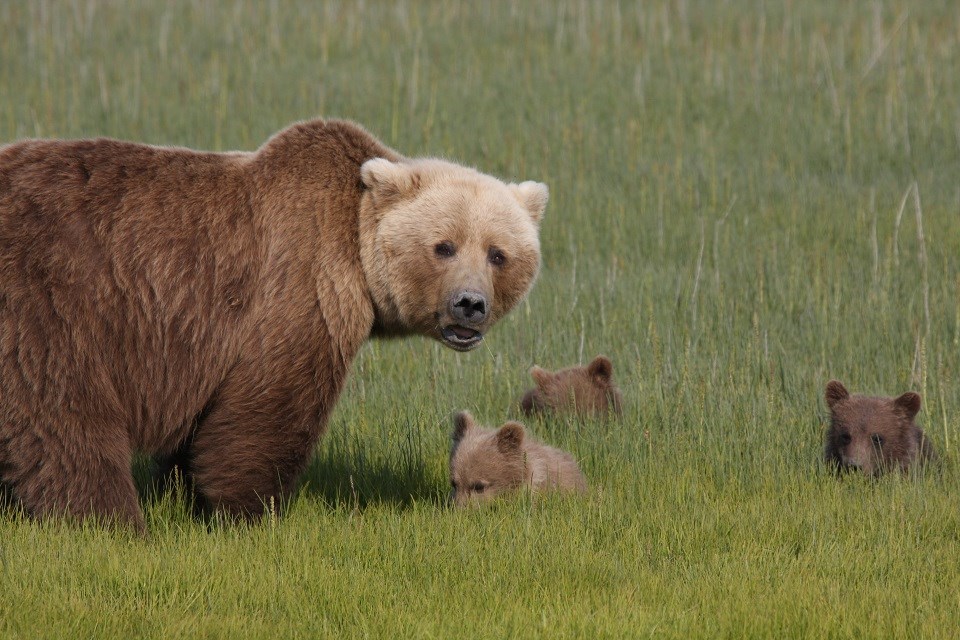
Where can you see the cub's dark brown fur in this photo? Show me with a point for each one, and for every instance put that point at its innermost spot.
(874, 434)
(207, 306)
(585, 390)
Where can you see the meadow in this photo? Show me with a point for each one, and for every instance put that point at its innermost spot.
(747, 200)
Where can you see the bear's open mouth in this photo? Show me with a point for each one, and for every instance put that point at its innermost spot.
(461, 338)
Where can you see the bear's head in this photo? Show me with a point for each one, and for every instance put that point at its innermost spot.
(871, 434)
(586, 390)
(485, 462)
(447, 251)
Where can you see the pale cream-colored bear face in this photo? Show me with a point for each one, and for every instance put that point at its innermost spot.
(447, 251)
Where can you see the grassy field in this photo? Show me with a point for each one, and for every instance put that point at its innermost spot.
(747, 199)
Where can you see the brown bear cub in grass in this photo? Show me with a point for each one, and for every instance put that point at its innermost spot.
(585, 390)
(204, 308)
(487, 462)
(874, 434)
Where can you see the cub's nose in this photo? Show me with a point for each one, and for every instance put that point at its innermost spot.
(468, 307)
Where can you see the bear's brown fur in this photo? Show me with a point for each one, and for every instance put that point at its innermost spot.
(874, 434)
(485, 463)
(585, 390)
(207, 306)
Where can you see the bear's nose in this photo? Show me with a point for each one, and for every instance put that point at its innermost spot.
(468, 307)
(854, 465)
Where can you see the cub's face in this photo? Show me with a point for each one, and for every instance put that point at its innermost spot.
(484, 463)
(585, 390)
(447, 250)
(871, 434)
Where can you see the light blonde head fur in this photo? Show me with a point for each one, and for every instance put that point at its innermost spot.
(433, 232)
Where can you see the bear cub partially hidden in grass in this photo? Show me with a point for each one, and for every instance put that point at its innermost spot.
(585, 390)
(874, 434)
(485, 463)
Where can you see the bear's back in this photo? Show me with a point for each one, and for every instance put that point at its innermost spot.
(553, 468)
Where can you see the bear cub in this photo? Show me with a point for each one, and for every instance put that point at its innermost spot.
(874, 434)
(485, 463)
(585, 390)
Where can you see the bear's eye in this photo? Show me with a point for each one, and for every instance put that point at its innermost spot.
(877, 439)
(478, 487)
(496, 257)
(444, 250)
(844, 438)
(453, 485)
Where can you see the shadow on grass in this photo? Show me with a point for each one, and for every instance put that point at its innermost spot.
(356, 481)
(9, 505)
(342, 480)
(349, 480)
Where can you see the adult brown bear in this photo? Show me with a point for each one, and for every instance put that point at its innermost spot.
(208, 305)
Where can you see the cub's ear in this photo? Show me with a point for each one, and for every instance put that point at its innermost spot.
(909, 402)
(389, 181)
(533, 196)
(541, 376)
(601, 368)
(510, 437)
(462, 423)
(835, 393)
(528, 403)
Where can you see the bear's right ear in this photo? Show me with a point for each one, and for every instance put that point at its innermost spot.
(835, 393)
(533, 196)
(601, 368)
(540, 376)
(462, 423)
(510, 437)
(389, 181)
(910, 402)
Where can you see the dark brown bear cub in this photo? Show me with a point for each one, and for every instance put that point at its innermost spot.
(585, 390)
(874, 434)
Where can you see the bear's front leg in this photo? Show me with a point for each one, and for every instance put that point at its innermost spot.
(248, 453)
(76, 474)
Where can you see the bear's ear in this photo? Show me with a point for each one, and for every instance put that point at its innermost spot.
(909, 402)
(510, 437)
(835, 393)
(540, 376)
(462, 423)
(533, 196)
(389, 181)
(601, 368)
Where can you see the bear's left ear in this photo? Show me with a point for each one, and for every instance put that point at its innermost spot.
(909, 402)
(533, 196)
(462, 423)
(510, 437)
(540, 376)
(601, 368)
(835, 393)
(389, 181)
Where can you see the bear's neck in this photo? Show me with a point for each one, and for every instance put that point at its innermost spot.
(309, 176)
(387, 322)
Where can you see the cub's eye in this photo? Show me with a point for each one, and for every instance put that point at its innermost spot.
(444, 250)
(877, 439)
(844, 438)
(478, 487)
(496, 257)
(453, 484)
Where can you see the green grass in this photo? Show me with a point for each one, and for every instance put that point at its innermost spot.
(747, 199)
